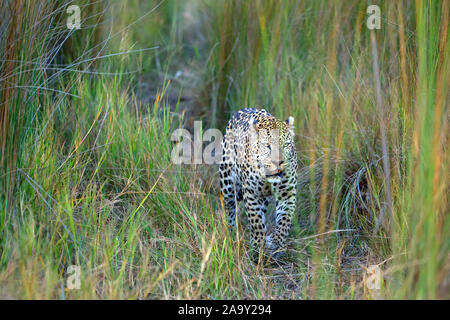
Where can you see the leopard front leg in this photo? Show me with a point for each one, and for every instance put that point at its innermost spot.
(256, 208)
(285, 209)
(230, 190)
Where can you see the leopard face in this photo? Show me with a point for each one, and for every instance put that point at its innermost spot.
(271, 142)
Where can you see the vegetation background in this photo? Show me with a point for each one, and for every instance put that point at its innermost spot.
(86, 118)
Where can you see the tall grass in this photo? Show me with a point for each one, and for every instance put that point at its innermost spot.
(313, 60)
(87, 117)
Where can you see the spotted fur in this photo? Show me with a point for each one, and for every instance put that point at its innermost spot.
(259, 165)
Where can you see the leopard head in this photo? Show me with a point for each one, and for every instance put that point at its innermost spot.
(272, 144)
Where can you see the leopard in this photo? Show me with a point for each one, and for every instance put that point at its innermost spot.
(259, 166)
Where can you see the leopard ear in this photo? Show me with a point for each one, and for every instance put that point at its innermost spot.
(252, 128)
(290, 123)
(252, 124)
